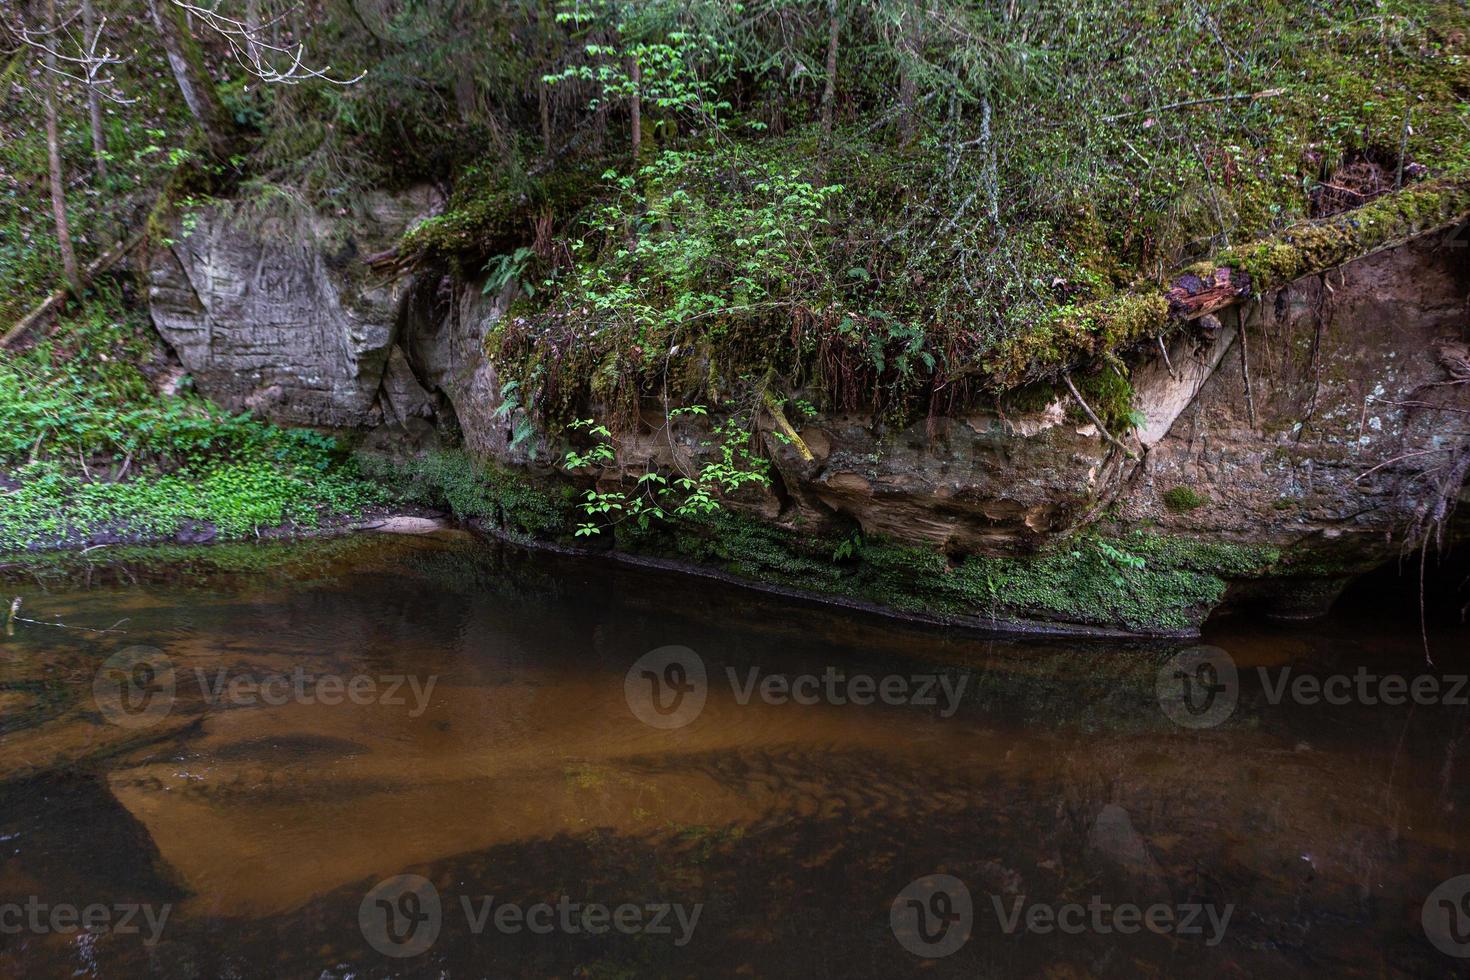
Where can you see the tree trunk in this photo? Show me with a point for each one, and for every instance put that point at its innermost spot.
(635, 107)
(545, 105)
(908, 91)
(94, 104)
(252, 28)
(829, 92)
(908, 87)
(53, 158)
(193, 80)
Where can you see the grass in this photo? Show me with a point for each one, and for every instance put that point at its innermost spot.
(87, 447)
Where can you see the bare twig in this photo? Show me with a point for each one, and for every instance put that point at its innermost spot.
(1087, 410)
(256, 54)
(1269, 93)
(14, 617)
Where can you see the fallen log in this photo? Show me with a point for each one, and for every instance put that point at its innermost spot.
(1192, 297)
(51, 304)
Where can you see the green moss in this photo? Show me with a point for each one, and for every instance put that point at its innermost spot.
(1030, 398)
(1313, 247)
(1143, 581)
(508, 500)
(1109, 393)
(1070, 334)
(1182, 499)
(492, 211)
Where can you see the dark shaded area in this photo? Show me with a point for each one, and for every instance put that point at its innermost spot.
(71, 841)
(1394, 589)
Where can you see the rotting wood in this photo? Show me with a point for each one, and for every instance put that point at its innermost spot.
(1192, 296)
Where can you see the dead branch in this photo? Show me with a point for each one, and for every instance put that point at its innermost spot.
(253, 52)
(1092, 416)
(1269, 93)
(93, 64)
(54, 302)
(14, 617)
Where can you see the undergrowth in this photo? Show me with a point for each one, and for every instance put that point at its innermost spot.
(1057, 181)
(89, 449)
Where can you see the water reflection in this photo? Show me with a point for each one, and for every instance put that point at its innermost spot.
(508, 763)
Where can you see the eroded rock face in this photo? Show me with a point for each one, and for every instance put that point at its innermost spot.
(283, 317)
(1286, 422)
(1344, 379)
(443, 335)
(1359, 355)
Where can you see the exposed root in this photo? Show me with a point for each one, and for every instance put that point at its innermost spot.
(1092, 416)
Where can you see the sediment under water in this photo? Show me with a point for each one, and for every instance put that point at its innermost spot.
(600, 772)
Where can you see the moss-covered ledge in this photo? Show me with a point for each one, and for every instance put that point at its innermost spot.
(1075, 334)
(1116, 581)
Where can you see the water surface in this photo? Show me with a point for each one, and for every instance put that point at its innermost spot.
(508, 761)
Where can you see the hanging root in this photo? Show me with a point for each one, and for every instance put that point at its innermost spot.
(1428, 525)
(1093, 417)
(1434, 512)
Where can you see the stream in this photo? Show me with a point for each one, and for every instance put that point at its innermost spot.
(438, 757)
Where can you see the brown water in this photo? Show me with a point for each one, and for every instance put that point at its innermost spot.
(508, 760)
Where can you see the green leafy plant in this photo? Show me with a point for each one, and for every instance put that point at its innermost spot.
(504, 270)
(656, 496)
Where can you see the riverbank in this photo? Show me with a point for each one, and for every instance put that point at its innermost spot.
(104, 442)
